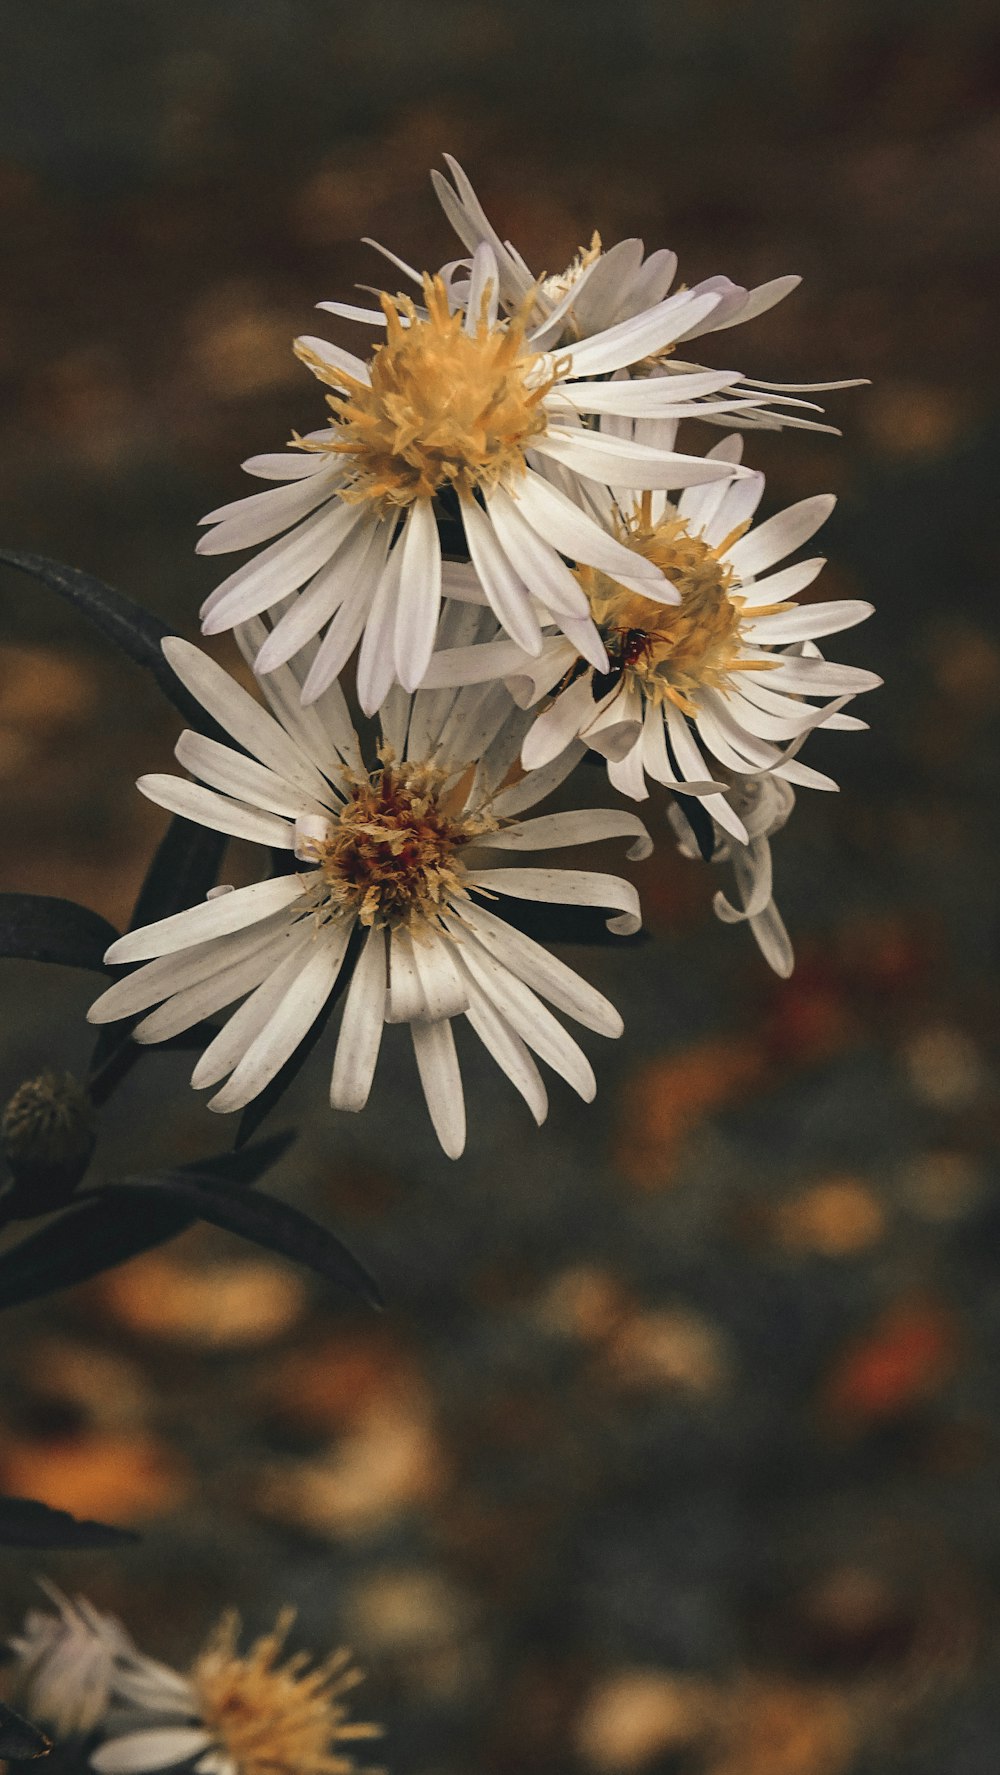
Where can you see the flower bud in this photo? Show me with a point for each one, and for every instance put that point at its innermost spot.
(47, 1136)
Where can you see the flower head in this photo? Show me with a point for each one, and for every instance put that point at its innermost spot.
(66, 1664)
(710, 689)
(462, 403)
(254, 1713)
(397, 870)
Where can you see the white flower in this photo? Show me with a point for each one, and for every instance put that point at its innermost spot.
(237, 1715)
(704, 687)
(67, 1663)
(457, 410)
(763, 804)
(602, 289)
(400, 858)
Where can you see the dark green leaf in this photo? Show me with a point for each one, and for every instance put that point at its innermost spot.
(264, 1220)
(262, 1105)
(98, 1233)
(26, 1523)
(18, 1740)
(37, 927)
(135, 630)
(186, 864)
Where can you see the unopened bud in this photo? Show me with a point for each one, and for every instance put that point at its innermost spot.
(47, 1136)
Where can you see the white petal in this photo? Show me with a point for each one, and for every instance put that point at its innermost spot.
(544, 972)
(376, 670)
(620, 463)
(568, 887)
(213, 918)
(233, 773)
(475, 665)
(647, 395)
(538, 783)
(558, 724)
(419, 596)
(537, 562)
(444, 990)
(242, 716)
(404, 1000)
(334, 357)
(630, 340)
(280, 569)
(290, 1023)
(809, 620)
(173, 973)
(341, 637)
(531, 1020)
(508, 1050)
(778, 587)
(243, 1027)
(582, 826)
(246, 522)
(207, 808)
(437, 1062)
(781, 534)
(361, 1030)
(161, 1748)
(565, 527)
(282, 465)
(202, 999)
(501, 582)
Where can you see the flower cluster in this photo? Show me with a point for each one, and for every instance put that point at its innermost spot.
(495, 518)
(78, 1674)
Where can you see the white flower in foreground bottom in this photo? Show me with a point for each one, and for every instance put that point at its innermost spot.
(404, 856)
(468, 407)
(237, 1715)
(763, 804)
(66, 1664)
(602, 289)
(701, 689)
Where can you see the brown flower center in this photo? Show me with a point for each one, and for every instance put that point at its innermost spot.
(392, 855)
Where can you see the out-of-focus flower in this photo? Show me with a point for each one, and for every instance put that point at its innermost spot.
(250, 1714)
(401, 856)
(762, 804)
(605, 288)
(697, 686)
(66, 1664)
(464, 405)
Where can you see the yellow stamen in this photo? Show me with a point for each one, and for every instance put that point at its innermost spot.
(673, 650)
(445, 408)
(272, 1717)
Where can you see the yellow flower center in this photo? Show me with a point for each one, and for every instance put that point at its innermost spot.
(445, 408)
(670, 651)
(392, 857)
(275, 1718)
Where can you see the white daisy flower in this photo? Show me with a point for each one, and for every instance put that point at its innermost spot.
(66, 1664)
(604, 288)
(234, 1714)
(763, 803)
(701, 688)
(456, 411)
(404, 859)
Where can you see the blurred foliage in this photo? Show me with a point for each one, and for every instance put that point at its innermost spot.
(678, 1447)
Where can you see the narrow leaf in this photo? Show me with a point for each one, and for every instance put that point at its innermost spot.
(20, 1741)
(135, 630)
(24, 1522)
(38, 927)
(263, 1219)
(97, 1233)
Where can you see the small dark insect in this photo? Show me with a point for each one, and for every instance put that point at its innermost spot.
(628, 648)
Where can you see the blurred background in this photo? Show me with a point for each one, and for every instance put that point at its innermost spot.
(678, 1447)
